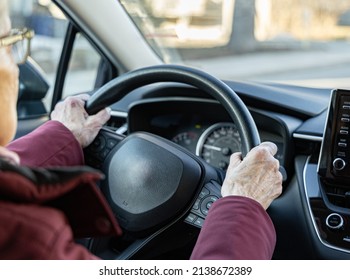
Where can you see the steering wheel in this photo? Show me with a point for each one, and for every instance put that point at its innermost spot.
(152, 183)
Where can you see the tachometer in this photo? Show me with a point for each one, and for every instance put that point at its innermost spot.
(186, 139)
(217, 143)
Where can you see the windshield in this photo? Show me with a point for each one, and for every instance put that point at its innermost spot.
(287, 41)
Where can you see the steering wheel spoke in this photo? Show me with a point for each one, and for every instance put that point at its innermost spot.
(210, 193)
(97, 152)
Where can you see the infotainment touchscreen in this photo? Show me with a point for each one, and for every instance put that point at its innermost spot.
(334, 161)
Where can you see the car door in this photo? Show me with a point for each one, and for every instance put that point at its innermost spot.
(63, 62)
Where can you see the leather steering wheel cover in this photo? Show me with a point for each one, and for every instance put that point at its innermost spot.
(117, 88)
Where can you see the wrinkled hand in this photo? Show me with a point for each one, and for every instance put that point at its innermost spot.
(72, 114)
(257, 176)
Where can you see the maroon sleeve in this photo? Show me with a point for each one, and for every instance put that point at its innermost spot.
(37, 232)
(236, 228)
(52, 144)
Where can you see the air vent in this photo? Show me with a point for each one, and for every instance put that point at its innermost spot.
(338, 195)
(118, 124)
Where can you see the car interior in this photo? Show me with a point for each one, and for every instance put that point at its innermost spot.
(166, 148)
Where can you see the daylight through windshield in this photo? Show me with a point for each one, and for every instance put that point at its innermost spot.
(287, 41)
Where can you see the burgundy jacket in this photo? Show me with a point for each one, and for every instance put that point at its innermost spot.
(42, 211)
(236, 228)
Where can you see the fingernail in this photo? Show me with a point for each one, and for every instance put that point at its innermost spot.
(109, 110)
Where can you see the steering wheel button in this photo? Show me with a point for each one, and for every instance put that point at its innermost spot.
(111, 143)
(104, 153)
(98, 144)
(199, 222)
(204, 192)
(191, 218)
(196, 204)
(209, 204)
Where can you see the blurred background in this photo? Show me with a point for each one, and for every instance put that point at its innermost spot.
(232, 39)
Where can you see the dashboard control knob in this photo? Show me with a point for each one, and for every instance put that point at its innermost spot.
(339, 164)
(334, 221)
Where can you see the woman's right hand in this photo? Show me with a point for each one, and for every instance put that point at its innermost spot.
(257, 176)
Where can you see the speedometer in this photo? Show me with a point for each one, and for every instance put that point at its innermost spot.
(217, 143)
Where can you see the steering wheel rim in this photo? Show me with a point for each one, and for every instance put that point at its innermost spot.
(192, 174)
(119, 87)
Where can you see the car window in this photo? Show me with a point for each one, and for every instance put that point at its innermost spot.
(50, 26)
(83, 67)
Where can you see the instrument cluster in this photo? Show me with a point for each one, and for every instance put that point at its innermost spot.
(204, 129)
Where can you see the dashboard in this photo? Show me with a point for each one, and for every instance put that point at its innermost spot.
(310, 209)
(203, 127)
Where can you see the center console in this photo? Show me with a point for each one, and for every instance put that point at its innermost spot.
(331, 211)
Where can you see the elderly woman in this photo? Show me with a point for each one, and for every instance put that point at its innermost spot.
(40, 209)
(31, 227)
